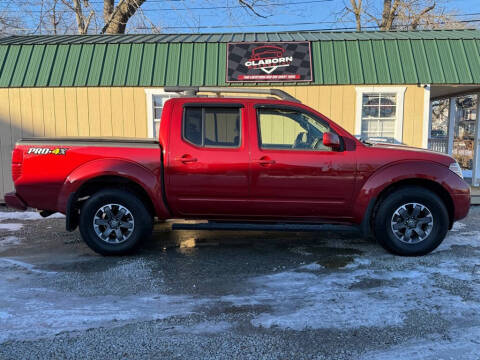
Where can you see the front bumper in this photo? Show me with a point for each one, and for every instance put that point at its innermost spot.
(14, 201)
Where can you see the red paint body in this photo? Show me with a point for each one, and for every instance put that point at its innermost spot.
(245, 183)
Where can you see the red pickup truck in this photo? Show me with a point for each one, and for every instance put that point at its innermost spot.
(270, 163)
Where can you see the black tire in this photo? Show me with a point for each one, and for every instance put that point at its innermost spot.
(406, 195)
(131, 240)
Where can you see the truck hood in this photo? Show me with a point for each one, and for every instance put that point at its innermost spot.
(410, 152)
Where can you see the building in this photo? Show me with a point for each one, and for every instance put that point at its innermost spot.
(417, 88)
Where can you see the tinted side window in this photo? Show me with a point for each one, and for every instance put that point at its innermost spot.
(212, 127)
(192, 126)
(290, 130)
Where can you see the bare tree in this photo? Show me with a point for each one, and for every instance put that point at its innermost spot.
(402, 14)
(10, 23)
(83, 22)
(119, 16)
(82, 17)
(356, 9)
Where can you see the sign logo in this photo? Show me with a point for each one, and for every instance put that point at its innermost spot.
(268, 58)
(47, 151)
(282, 61)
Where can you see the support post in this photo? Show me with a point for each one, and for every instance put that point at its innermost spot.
(427, 117)
(452, 114)
(476, 148)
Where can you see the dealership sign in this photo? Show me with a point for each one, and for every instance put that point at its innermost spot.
(282, 61)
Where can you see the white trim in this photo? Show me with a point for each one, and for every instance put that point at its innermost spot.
(476, 148)
(452, 114)
(427, 119)
(149, 95)
(398, 90)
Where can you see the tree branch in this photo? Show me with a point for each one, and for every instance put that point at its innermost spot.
(117, 22)
(251, 8)
(416, 19)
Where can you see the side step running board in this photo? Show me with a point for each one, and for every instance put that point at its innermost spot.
(264, 227)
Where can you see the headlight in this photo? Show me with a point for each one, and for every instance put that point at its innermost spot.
(456, 169)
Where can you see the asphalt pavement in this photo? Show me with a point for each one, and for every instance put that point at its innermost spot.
(236, 295)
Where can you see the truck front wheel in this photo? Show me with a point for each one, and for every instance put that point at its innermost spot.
(114, 222)
(411, 221)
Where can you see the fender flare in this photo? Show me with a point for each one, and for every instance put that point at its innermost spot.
(395, 173)
(150, 181)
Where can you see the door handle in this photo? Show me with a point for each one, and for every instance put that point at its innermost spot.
(186, 159)
(264, 161)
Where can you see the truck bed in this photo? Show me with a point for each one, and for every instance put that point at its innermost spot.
(90, 141)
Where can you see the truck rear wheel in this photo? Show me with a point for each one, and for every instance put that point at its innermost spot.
(114, 222)
(411, 221)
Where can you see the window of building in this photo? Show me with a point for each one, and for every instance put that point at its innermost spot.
(156, 98)
(380, 114)
(212, 127)
(290, 130)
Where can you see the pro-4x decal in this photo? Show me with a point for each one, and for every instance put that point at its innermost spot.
(47, 151)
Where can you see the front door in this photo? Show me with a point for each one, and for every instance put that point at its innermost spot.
(208, 165)
(293, 174)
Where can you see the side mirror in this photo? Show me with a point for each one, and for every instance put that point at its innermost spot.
(331, 140)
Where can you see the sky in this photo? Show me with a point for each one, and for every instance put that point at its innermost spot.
(299, 15)
(187, 16)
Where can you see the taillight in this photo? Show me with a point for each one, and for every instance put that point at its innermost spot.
(17, 160)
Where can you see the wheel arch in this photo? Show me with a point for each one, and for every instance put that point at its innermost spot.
(427, 184)
(111, 173)
(429, 175)
(94, 185)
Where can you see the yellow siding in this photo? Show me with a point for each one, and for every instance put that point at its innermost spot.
(94, 119)
(105, 112)
(5, 142)
(140, 104)
(123, 112)
(49, 111)
(129, 112)
(71, 111)
(82, 112)
(60, 117)
(117, 111)
(37, 112)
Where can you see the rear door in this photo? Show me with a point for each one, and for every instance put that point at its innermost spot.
(207, 172)
(294, 175)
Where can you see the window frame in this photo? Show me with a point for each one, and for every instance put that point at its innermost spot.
(150, 93)
(300, 110)
(203, 106)
(399, 91)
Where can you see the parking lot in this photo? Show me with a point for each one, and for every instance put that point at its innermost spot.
(236, 295)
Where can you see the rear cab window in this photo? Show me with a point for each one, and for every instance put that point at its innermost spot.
(212, 126)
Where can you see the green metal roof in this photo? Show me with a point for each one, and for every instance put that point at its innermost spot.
(400, 57)
(239, 37)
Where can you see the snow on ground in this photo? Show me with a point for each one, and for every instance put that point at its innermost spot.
(458, 226)
(18, 216)
(34, 311)
(459, 236)
(363, 293)
(25, 215)
(10, 227)
(24, 265)
(462, 345)
(9, 241)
